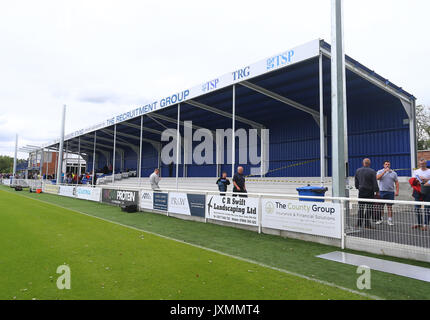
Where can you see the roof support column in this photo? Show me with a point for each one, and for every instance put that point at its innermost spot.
(413, 137)
(178, 140)
(47, 166)
(94, 157)
(42, 160)
(67, 158)
(233, 133)
(140, 150)
(56, 164)
(322, 126)
(159, 158)
(338, 101)
(79, 161)
(114, 154)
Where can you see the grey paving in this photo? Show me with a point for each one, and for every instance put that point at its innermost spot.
(400, 269)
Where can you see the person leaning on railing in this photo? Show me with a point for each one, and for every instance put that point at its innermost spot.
(420, 184)
(222, 183)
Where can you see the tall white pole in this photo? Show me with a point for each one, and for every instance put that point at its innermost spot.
(338, 104)
(233, 138)
(178, 146)
(60, 152)
(16, 155)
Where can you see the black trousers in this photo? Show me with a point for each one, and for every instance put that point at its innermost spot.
(365, 209)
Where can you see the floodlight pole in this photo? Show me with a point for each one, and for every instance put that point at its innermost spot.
(233, 138)
(16, 154)
(60, 151)
(339, 132)
(178, 141)
(114, 154)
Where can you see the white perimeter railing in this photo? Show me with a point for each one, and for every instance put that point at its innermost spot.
(359, 224)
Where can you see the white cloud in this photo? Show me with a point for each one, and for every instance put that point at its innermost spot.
(101, 57)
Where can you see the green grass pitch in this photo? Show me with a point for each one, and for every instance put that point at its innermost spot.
(112, 261)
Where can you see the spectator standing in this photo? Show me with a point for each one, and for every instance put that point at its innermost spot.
(423, 177)
(239, 181)
(388, 189)
(365, 182)
(154, 179)
(222, 183)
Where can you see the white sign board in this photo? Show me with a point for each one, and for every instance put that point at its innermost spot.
(232, 209)
(178, 203)
(316, 218)
(146, 200)
(50, 188)
(87, 193)
(67, 191)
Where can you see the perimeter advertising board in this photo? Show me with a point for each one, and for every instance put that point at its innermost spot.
(316, 218)
(146, 200)
(187, 204)
(161, 201)
(87, 193)
(50, 188)
(232, 209)
(120, 197)
(67, 191)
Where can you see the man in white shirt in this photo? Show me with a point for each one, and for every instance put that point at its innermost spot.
(154, 179)
(423, 176)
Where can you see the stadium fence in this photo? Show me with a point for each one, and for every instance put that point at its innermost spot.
(341, 222)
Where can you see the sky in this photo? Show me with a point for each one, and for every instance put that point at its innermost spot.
(100, 57)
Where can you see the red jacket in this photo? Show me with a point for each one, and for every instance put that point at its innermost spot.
(416, 185)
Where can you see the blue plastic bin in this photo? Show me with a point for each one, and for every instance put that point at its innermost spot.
(428, 164)
(311, 191)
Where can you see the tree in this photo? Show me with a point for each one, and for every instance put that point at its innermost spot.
(6, 164)
(423, 127)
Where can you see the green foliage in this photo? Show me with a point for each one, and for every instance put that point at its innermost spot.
(423, 127)
(6, 164)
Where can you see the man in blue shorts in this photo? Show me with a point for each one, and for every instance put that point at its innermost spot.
(389, 189)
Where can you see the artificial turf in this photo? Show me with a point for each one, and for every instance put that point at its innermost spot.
(110, 261)
(293, 255)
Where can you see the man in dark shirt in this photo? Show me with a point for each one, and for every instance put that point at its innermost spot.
(239, 181)
(367, 185)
